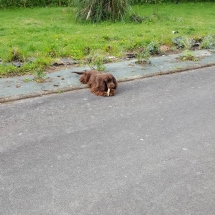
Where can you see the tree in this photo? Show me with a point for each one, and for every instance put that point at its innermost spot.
(100, 10)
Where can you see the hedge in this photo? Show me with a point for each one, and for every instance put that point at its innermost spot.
(34, 3)
(44, 3)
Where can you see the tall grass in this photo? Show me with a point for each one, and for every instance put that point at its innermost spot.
(100, 10)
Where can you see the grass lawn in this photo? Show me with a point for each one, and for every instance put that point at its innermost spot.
(45, 34)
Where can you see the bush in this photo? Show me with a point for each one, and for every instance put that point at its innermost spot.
(208, 42)
(100, 10)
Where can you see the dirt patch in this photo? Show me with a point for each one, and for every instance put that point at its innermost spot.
(165, 49)
(51, 69)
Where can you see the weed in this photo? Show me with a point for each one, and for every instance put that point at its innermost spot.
(188, 56)
(15, 55)
(27, 80)
(96, 61)
(183, 42)
(143, 57)
(39, 75)
(153, 48)
(208, 42)
(177, 68)
(187, 42)
(135, 43)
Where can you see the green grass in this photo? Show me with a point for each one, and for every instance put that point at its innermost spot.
(50, 33)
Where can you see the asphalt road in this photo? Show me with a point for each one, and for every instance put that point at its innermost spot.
(150, 150)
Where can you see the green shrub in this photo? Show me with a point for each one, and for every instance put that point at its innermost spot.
(153, 48)
(208, 42)
(100, 10)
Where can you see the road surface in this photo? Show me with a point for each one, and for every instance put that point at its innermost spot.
(149, 150)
